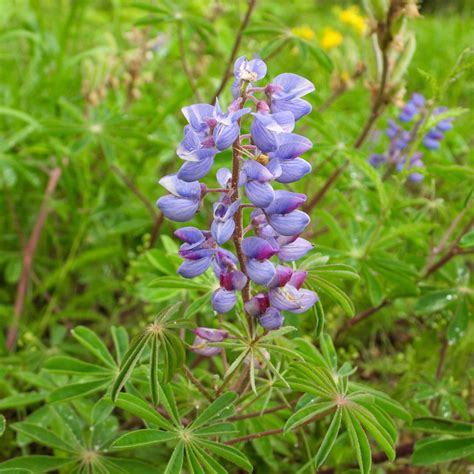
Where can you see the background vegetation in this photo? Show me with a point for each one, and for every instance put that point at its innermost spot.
(89, 121)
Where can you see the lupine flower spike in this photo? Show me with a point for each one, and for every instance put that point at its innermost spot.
(269, 154)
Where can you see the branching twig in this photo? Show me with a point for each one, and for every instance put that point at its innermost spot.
(197, 383)
(28, 255)
(235, 48)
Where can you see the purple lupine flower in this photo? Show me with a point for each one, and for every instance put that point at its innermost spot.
(291, 297)
(223, 224)
(206, 335)
(225, 298)
(259, 268)
(257, 183)
(415, 162)
(265, 129)
(285, 92)
(285, 163)
(282, 214)
(259, 307)
(246, 71)
(183, 202)
(292, 248)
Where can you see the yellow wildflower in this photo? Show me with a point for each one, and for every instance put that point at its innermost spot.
(345, 76)
(304, 32)
(331, 38)
(351, 16)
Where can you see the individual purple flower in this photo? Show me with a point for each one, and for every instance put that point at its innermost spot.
(246, 71)
(204, 336)
(225, 298)
(412, 108)
(259, 307)
(265, 129)
(199, 251)
(285, 92)
(285, 163)
(415, 162)
(258, 251)
(292, 248)
(183, 202)
(223, 224)
(257, 183)
(291, 297)
(282, 214)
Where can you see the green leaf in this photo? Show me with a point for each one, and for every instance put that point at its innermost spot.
(21, 400)
(176, 283)
(329, 438)
(207, 461)
(319, 318)
(154, 370)
(437, 451)
(168, 401)
(129, 361)
(3, 424)
(42, 436)
(359, 442)
(378, 432)
(374, 287)
(143, 437)
(175, 463)
(75, 390)
(467, 240)
(93, 344)
(307, 412)
(37, 463)
(430, 424)
(138, 407)
(435, 301)
(70, 365)
(216, 429)
(230, 453)
(120, 338)
(335, 293)
(321, 57)
(458, 325)
(215, 409)
(328, 350)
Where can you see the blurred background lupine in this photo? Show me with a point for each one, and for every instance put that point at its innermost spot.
(116, 342)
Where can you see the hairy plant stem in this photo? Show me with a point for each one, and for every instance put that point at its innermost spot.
(28, 255)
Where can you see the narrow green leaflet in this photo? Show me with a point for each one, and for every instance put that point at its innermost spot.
(228, 452)
(442, 426)
(37, 463)
(154, 373)
(175, 463)
(72, 366)
(215, 409)
(138, 407)
(359, 442)
(143, 437)
(3, 424)
(72, 391)
(329, 438)
(128, 363)
(93, 344)
(42, 436)
(307, 413)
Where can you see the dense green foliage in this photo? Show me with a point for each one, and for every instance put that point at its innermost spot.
(95, 360)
